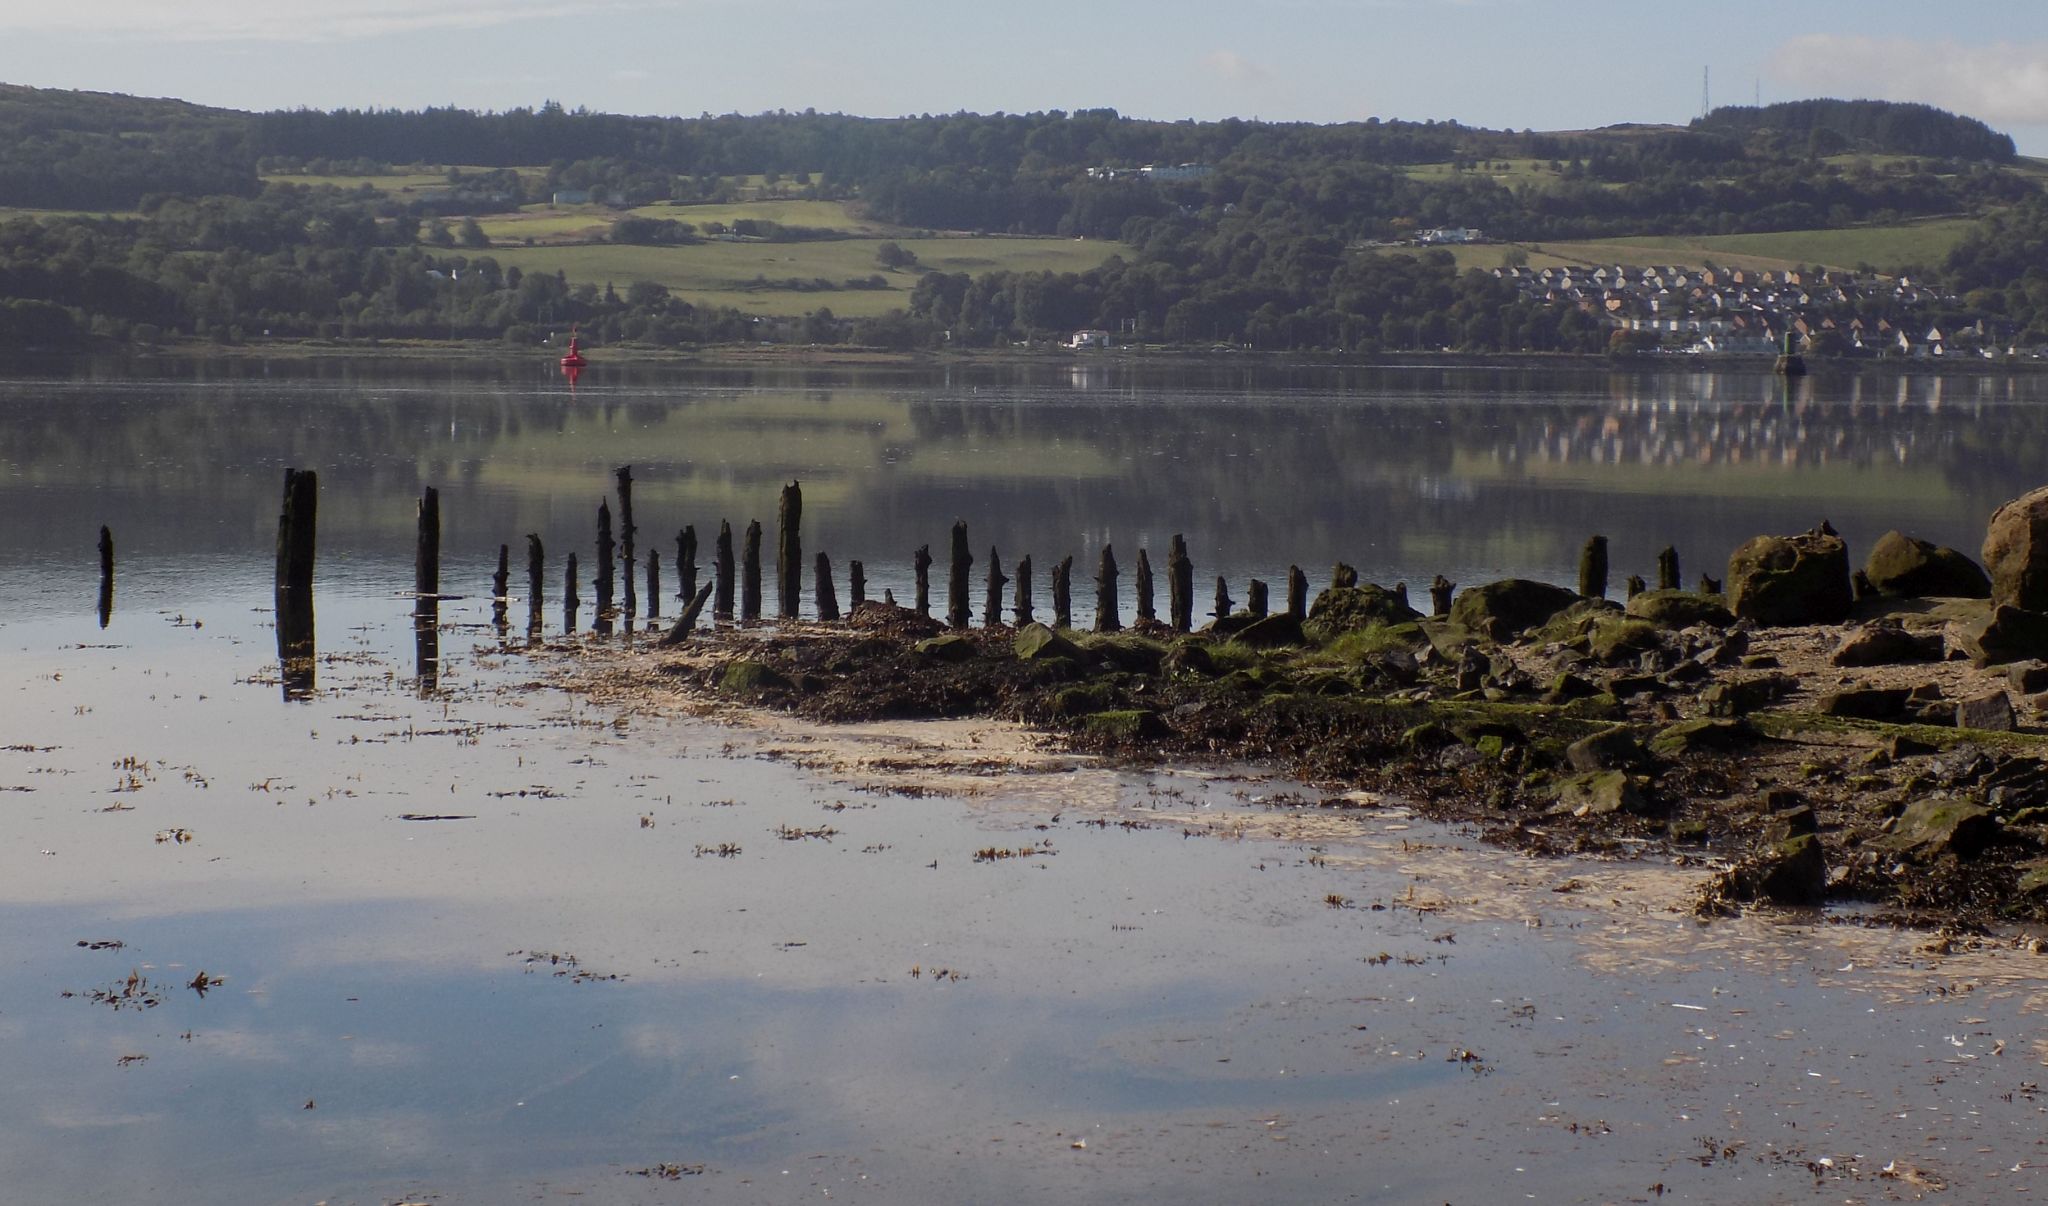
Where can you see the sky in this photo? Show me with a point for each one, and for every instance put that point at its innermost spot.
(1542, 64)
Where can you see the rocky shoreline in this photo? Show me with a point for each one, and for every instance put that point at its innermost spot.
(1809, 736)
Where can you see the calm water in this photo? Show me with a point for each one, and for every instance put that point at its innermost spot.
(1178, 996)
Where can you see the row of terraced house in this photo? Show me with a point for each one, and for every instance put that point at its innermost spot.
(1738, 310)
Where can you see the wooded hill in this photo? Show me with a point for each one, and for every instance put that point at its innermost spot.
(1255, 238)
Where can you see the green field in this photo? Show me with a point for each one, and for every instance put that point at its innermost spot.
(717, 274)
(427, 176)
(820, 215)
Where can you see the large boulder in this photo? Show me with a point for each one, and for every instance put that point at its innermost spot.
(1037, 642)
(1503, 610)
(2006, 635)
(1342, 609)
(2016, 552)
(1914, 569)
(1784, 580)
(1884, 643)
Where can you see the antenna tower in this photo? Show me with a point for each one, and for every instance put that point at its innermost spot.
(1706, 91)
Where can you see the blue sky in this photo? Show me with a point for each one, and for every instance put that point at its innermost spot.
(1546, 64)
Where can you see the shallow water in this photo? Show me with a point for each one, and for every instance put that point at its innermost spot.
(1182, 995)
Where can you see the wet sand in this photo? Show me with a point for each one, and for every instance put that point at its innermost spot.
(762, 962)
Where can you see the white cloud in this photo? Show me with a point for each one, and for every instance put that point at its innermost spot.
(1232, 66)
(295, 20)
(2003, 83)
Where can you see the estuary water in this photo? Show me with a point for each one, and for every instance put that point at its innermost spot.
(479, 940)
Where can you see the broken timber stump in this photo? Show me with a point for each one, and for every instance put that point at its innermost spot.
(1106, 608)
(789, 552)
(956, 579)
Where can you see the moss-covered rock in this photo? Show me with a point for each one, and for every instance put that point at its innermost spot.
(2016, 552)
(1598, 793)
(1783, 580)
(2005, 635)
(1680, 609)
(1503, 610)
(1125, 725)
(1609, 749)
(1944, 825)
(1189, 657)
(1073, 702)
(1901, 565)
(952, 647)
(748, 677)
(1037, 642)
(1701, 736)
(1273, 632)
(1342, 609)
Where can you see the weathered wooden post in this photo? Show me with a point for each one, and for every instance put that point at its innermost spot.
(1180, 585)
(1063, 593)
(1440, 596)
(653, 583)
(721, 568)
(956, 579)
(1141, 581)
(426, 558)
(1223, 601)
(1636, 585)
(827, 594)
(501, 586)
(686, 563)
(922, 562)
(1255, 600)
(1107, 618)
(1297, 593)
(536, 571)
(856, 584)
(605, 551)
(1709, 586)
(1020, 602)
(106, 576)
(1342, 575)
(1667, 568)
(687, 622)
(750, 573)
(789, 552)
(627, 557)
(570, 600)
(1593, 568)
(992, 603)
(1401, 593)
(296, 527)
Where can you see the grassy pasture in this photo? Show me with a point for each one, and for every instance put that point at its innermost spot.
(822, 215)
(428, 176)
(718, 274)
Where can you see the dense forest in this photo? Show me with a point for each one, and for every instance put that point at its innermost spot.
(1258, 247)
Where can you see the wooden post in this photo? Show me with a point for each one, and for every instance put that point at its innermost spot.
(1440, 596)
(1709, 586)
(106, 576)
(688, 620)
(721, 566)
(789, 552)
(536, 571)
(570, 600)
(426, 559)
(653, 583)
(1106, 607)
(1593, 568)
(856, 584)
(1020, 602)
(626, 531)
(501, 582)
(1297, 593)
(1342, 575)
(1223, 602)
(828, 595)
(922, 562)
(1667, 569)
(1401, 593)
(750, 573)
(992, 602)
(1142, 583)
(605, 551)
(686, 563)
(1180, 585)
(956, 579)
(1255, 601)
(297, 524)
(1636, 585)
(1063, 593)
